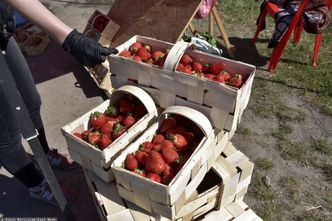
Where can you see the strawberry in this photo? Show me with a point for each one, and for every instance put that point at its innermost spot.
(85, 135)
(158, 139)
(206, 68)
(146, 147)
(155, 162)
(157, 56)
(149, 61)
(197, 67)
(135, 46)
(189, 136)
(78, 135)
(236, 81)
(111, 111)
(108, 128)
(157, 147)
(125, 54)
(209, 76)
(179, 142)
(140, 172)
(187, 70)
(219, 78)
(125, 106)
(226, 75)
(137, 58)
(118, 130)
(131, 162)
(94, 137)
(167, 124)
(154, 177)
(141, 156)
(216, 68)
(128, 121)
(147, 47)
(105, 141)
(120, 118)
(168, 175)
(180, 67)
(169, 154)
(143, 53)
(175, 130)
(186, 59)
(97, 120)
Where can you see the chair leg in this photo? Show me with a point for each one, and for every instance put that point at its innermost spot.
(260, 24)
(297, 33)
(318, 41)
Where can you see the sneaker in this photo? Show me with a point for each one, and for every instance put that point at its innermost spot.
(43, 192)
(60, 161)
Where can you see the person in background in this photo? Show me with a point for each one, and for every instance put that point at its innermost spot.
(12, 154)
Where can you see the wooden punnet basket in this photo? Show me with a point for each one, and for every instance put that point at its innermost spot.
(206, 203)
(98, 160)
(167, 200)
(169, 85)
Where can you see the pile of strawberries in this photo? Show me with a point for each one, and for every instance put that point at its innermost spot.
(162, 157)
(105, 127)
(145, 53)
(214, 71)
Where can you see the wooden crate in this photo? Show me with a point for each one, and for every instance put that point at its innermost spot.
(167, 200)
(98, 160)
(220, 99)
(204, 204)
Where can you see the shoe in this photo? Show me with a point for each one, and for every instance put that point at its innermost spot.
(43, 192)
(60, 161)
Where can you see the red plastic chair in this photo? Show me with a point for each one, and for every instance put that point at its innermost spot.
(295, 25)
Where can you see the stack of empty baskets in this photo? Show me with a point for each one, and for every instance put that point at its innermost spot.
(216, 177)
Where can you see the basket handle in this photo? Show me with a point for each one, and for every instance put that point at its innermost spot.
(197, 117)
(175, 55)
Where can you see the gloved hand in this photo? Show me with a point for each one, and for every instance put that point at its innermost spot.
(86, 50)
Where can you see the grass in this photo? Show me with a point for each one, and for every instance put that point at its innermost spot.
(264, 164)
(292, 186)
(311, 216)
(243, 130)
(282, 131)
(327, 169)
(322, 146)
(294, 150)
(261, 191)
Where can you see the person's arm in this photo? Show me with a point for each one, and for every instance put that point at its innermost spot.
(36, 12)
(87, 51)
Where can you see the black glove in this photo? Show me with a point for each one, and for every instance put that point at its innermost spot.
(86, 50)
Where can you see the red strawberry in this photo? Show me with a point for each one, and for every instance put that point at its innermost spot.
(219, 78)
(236, 81)
(146, 147)
(154, 177)
(180, 67)
(155, 162)
(94, 138)
(149, 61)
(140, 172)
(187, 70)
(137, 58)
(141, 156)
(128, 121)
(169, 154)
(118, 130)
(158, 139)
(168, 175)
(125, 53)
(131, 162)
(189, 136)
(97, 120)
(120, 118)
(108, 127)
(167, 124)
(134, 47)
(157, 56)
(157, 147)
(209, 76)
(206, 68)
(78, 135)
(143, 53)
(197, 67)
(139, 112)
(226, 75)
(85, 135)
(180, 142)
(125, 106)
(186, 59)
(105, 141)
(216, 68)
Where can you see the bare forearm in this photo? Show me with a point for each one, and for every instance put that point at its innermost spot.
(36, 12)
